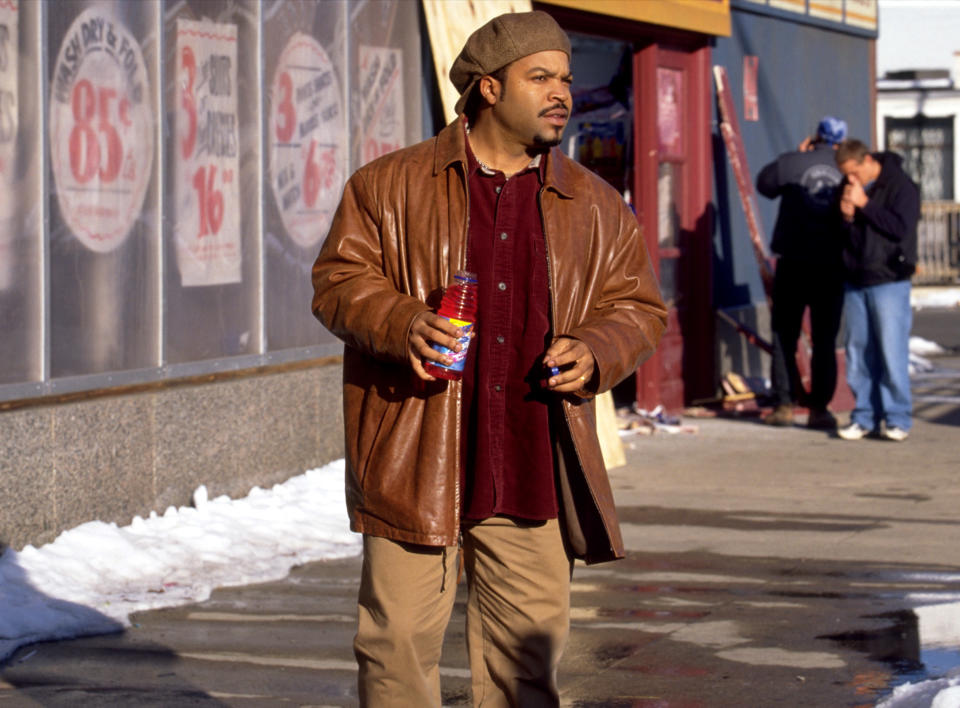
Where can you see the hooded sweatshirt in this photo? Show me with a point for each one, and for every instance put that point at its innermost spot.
(881, 241)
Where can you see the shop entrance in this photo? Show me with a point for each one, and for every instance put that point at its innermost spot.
(641, 121)
(673, 175)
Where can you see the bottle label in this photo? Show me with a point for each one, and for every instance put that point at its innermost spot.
(460, 357)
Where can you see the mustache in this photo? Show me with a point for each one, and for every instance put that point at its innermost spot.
(562, 106)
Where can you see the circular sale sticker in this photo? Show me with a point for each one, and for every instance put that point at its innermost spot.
(101, 129)
(307, 138)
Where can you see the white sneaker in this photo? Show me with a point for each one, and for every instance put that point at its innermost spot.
(854, 431)
(894, 433)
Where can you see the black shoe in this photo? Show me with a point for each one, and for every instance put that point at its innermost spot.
(821, 419)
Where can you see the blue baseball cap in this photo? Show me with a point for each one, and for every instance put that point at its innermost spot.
(832, 130)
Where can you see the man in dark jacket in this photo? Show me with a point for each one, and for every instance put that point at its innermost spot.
(807, 240)
(881, 207)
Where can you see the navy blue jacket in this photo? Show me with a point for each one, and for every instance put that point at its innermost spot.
(808, 224)
(881, 242)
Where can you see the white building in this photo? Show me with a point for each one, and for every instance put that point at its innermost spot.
(917, 114)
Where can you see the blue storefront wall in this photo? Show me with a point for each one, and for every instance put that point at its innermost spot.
(804, 72)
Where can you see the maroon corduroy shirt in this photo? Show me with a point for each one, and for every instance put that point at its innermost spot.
(508, 458)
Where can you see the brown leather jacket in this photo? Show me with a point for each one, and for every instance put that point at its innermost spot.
(398, 237)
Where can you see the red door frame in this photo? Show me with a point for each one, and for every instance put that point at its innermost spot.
(682, 369)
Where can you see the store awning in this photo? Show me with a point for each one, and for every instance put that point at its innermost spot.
(706, 16)
(450, 23)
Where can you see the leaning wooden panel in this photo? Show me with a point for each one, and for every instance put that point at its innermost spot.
(449, 24)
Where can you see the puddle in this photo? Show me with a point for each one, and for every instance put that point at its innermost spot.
(918, 645)
(639, 613)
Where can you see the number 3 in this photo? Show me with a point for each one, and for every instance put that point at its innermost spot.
(286, 110)
(188, 102)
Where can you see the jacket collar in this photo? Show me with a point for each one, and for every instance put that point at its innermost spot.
(451, 148)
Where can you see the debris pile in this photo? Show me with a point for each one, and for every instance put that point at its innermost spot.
(633, 420)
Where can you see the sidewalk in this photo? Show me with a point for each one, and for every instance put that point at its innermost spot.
(766, 567)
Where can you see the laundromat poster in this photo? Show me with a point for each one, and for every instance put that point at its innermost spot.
(206, 163)
(101, 129)
(381, 96)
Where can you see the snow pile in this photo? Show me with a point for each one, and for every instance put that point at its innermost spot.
(91, 578)
(924, 347)
(920, 349)
(940, 693)
(935, 297)
(938, 631)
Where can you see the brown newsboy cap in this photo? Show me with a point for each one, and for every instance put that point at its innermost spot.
(503, 40)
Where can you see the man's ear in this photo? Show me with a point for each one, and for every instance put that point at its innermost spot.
(489, 89)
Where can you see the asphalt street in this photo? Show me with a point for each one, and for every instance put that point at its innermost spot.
(766, 567)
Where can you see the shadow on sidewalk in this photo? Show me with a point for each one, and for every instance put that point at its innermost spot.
(36, 625)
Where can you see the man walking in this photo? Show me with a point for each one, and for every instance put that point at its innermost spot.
(807, 240)
(881, 208)
(504, 467)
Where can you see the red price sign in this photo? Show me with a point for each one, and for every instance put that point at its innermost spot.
(101, 129)
(308, 138)
(207, 230)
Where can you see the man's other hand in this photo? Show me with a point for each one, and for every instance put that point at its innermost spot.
(847, 209)
(563, 352)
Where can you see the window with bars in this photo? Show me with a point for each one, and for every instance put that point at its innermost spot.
(926, 145)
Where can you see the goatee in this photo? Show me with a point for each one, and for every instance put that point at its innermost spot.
(543, 143)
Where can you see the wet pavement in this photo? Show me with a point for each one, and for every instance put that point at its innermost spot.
(766, 567)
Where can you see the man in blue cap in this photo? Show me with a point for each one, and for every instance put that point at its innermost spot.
(807, 240)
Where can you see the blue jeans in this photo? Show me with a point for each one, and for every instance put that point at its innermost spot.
(878, 353)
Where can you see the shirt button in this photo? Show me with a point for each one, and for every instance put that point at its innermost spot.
(500, 339)
(503, 236)
(498, 190)
(497, 387)
(502, 286)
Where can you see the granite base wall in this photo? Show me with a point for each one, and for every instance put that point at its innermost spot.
(114, 457)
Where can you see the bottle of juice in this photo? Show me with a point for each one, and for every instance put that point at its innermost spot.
(459, 305)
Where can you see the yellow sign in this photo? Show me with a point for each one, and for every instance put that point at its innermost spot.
(862, 13)
(855, 13)
(706, 16)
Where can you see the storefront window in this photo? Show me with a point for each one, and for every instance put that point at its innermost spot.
(101, 128)
(168, 206)
(323, 121)
(600, 132)
(926, 145)
(21, 211)
(212, 214)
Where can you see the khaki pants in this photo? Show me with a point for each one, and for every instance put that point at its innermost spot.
(518, 615)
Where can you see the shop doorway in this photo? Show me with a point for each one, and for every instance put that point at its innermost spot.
(600, 134)
(673, 168)
(641, 121)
